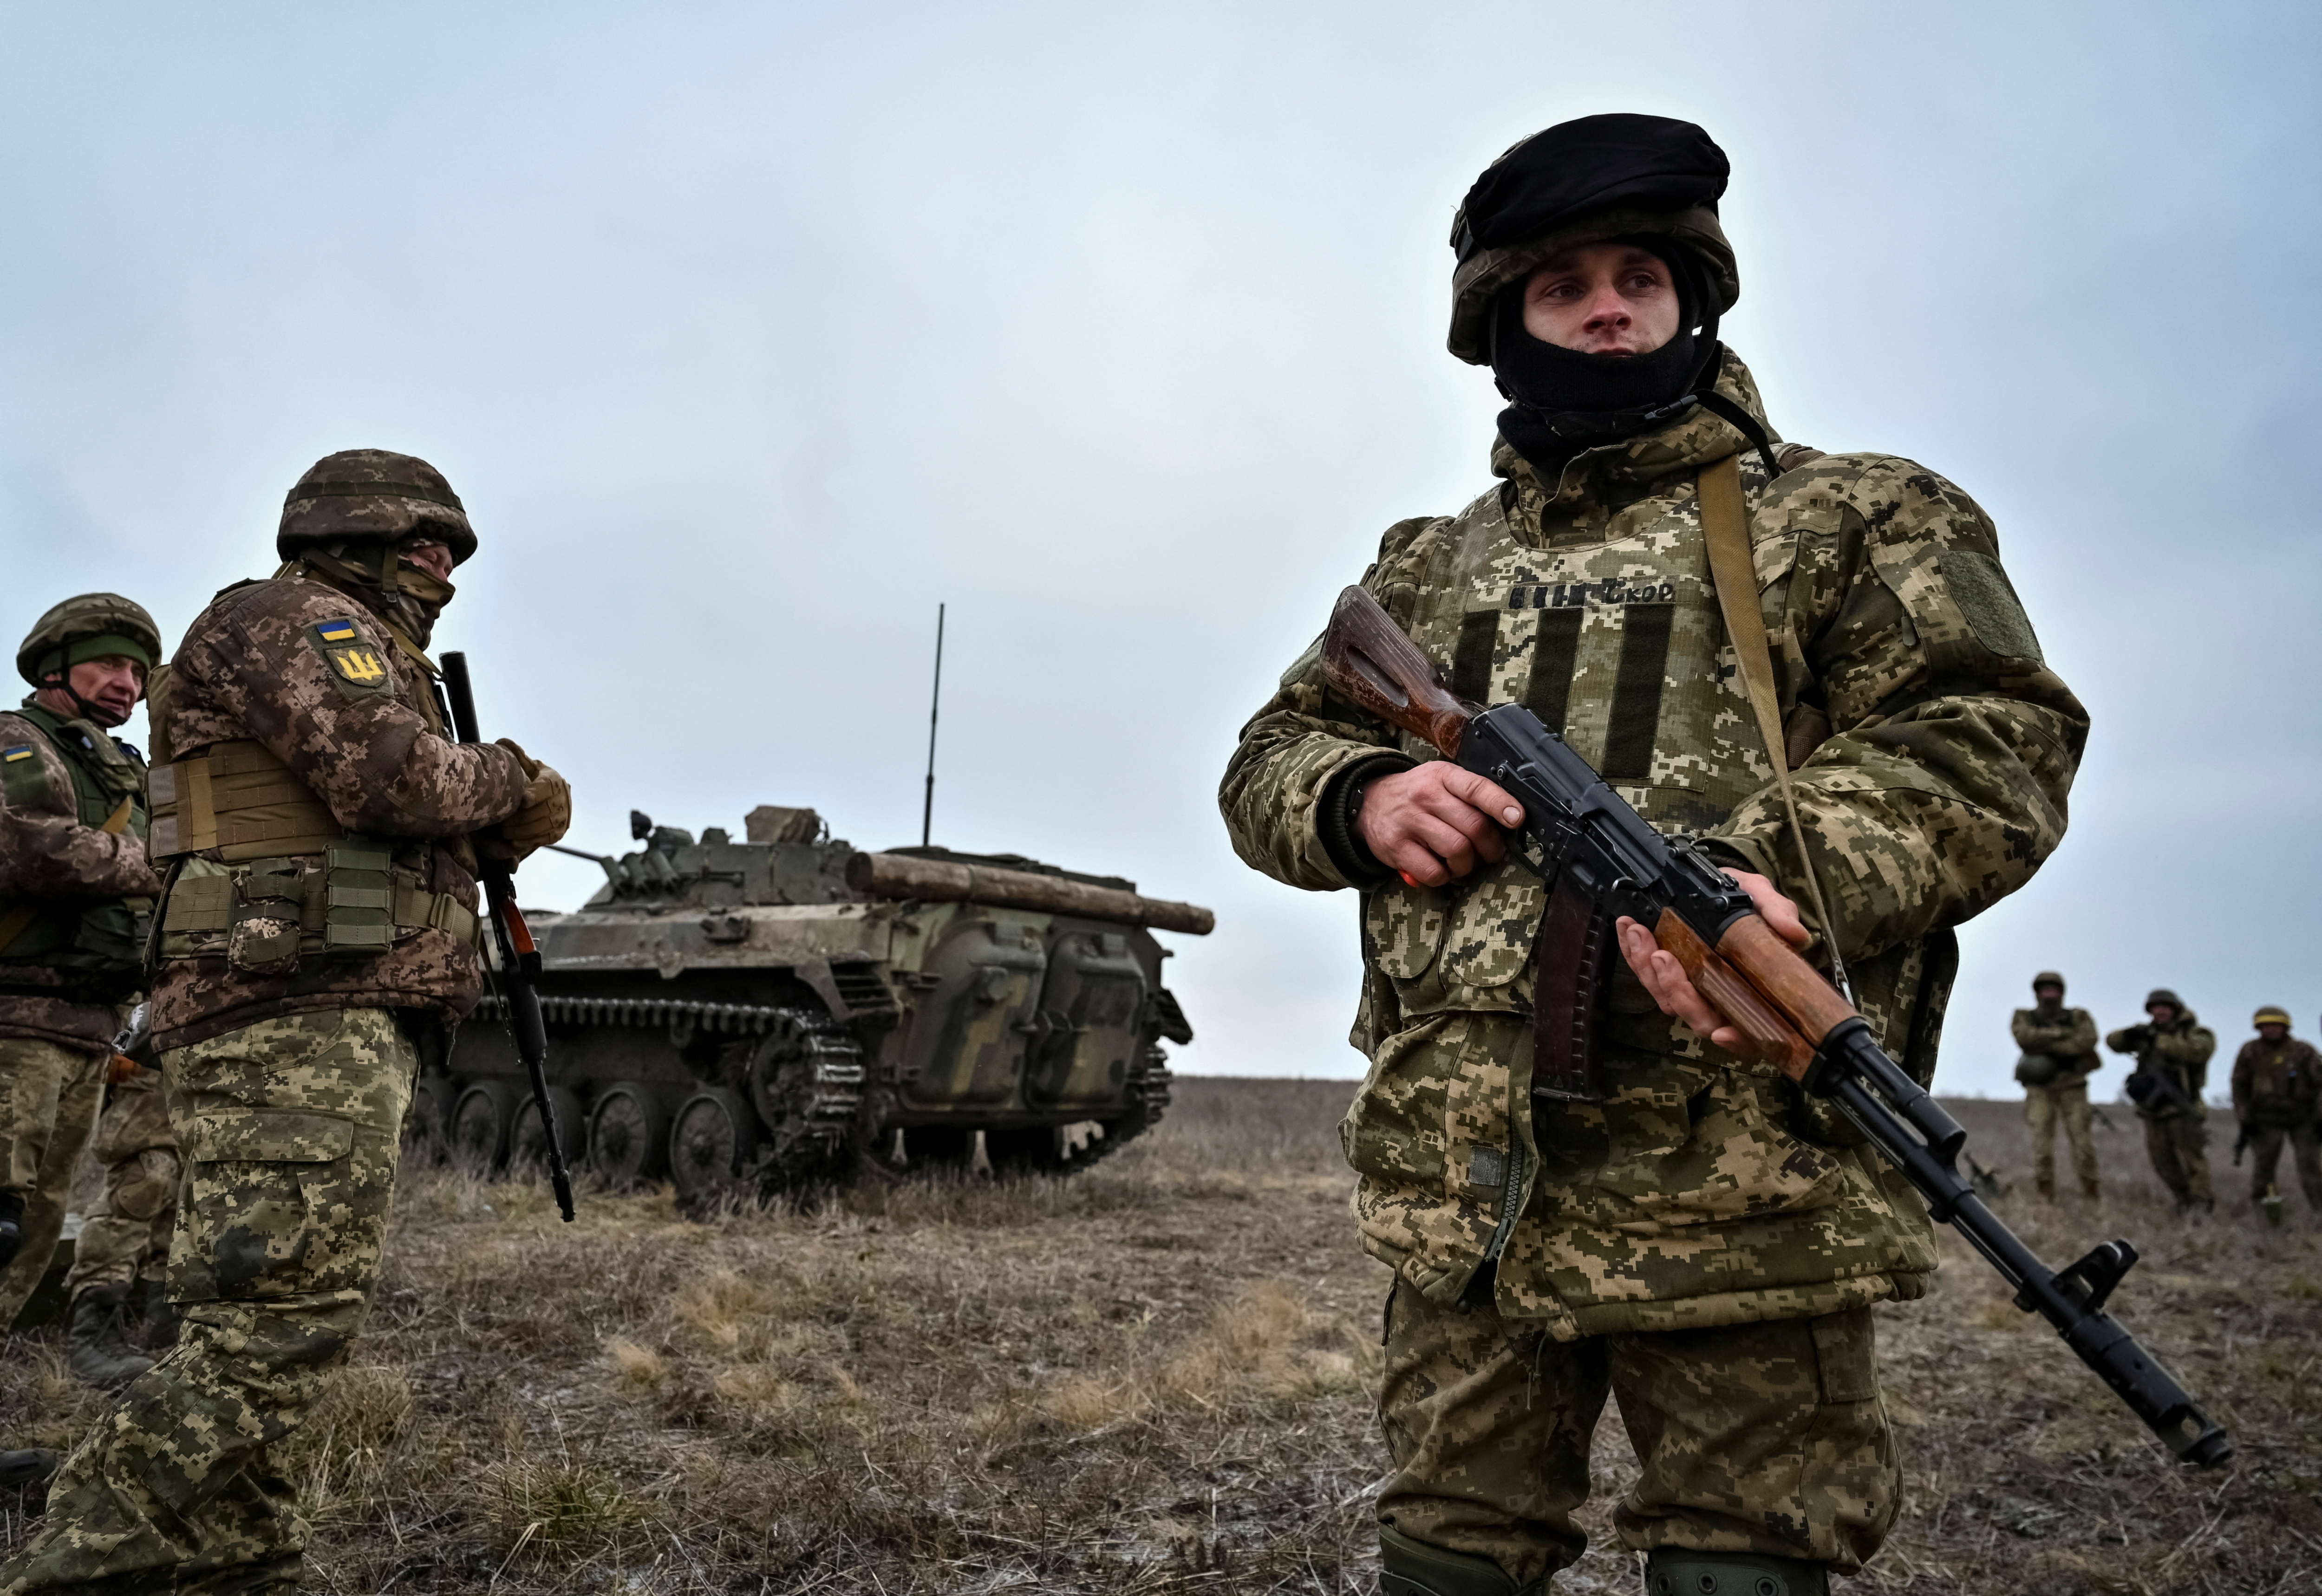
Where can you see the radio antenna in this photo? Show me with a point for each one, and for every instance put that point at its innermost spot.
(935, 709)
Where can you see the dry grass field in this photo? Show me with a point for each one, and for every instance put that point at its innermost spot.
(1153, 1377)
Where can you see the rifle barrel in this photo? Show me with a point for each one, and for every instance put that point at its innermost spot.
(519, 960)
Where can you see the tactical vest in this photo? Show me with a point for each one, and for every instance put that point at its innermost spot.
(1614, 640)
(266, 875)
(94, 951)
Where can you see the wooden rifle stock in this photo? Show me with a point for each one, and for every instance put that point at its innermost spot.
(1366, 656)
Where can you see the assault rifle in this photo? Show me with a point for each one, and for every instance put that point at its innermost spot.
(519, 960)
(2241, 1144)
(1605, 862)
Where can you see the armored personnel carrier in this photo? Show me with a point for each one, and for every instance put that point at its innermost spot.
(754, 1016)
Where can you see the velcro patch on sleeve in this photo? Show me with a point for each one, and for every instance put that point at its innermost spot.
(358, 667)
(23, 776)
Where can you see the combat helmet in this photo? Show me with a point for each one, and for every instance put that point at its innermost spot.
(2048, 978)
(372, 496)
(2272, 1014)
(1587, 181)
(2163, 995)
(88, 626)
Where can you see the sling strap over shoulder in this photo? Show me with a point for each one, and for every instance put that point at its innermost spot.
(1725, 525)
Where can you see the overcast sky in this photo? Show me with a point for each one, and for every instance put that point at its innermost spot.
(749, 334)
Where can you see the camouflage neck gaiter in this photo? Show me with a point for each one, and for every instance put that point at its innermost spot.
(406, 595)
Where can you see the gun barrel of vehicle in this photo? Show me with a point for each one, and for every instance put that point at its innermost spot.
(947, 880)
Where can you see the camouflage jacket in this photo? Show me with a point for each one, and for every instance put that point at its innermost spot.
(2180, 1050)
(268, 662)
(73, 894)
(2277, 1084)
(2068, 1035)
(1704, 1190)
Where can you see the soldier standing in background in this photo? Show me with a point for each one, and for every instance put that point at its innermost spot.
(2172, 1053)
(2059, 1053)
(1703, 1241)
(124, 1237)
(75, 893)
(2277, 1093)
(317, 930)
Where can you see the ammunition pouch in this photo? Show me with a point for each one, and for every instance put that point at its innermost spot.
(268, 876)
(350, 901)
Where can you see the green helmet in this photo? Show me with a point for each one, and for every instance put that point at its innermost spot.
(2163, 995)
(373, 496)
(87, 627)
(2047, 978)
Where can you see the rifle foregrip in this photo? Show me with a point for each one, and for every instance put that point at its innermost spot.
(1786, 979)
(1765, 1034)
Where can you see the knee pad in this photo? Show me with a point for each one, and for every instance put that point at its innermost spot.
(12, 1226)
(1672, 1571)
(1409, 1567)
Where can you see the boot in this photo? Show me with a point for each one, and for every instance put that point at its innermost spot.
(2047, 1184)
(1409, 1567)
(161, 1316)
(28, 1474)
(2088, 1189)
(1672, 1571)
(97, 1345)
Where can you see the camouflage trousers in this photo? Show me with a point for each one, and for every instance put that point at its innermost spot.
(1766, 1437)
(127, 1232)
(2044, 1108)
(50, 1095)
(2178, 1147)
(290, 1129)
(2304, 1151)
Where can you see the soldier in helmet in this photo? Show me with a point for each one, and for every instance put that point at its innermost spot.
(2173, 1051)
(2278, 1098)
(319, 828)
(76, 894)
(2059, 1045)
(1703, 1241)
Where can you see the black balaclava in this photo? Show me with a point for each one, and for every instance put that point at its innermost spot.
(1562, 401)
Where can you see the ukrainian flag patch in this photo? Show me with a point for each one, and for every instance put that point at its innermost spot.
(11, 756)
(356, 668)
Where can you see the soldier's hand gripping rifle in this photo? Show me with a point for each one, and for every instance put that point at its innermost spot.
(519, 960)
(1605, 862)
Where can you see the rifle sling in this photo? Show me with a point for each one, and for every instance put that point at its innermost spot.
(1725, 525)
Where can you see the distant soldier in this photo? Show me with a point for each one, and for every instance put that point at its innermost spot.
(124, 1237)
(2059, 1053)
(76, 895)
(2277, 1093)
(318, 928)
(2172, 1065)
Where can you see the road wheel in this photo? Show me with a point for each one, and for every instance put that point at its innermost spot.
(628, 1136)
(528, 1140)
(480, 1127)
(711, 1139)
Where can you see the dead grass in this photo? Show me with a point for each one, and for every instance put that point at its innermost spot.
(1155, 1377)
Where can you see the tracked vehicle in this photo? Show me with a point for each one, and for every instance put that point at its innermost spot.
(776, 1014)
